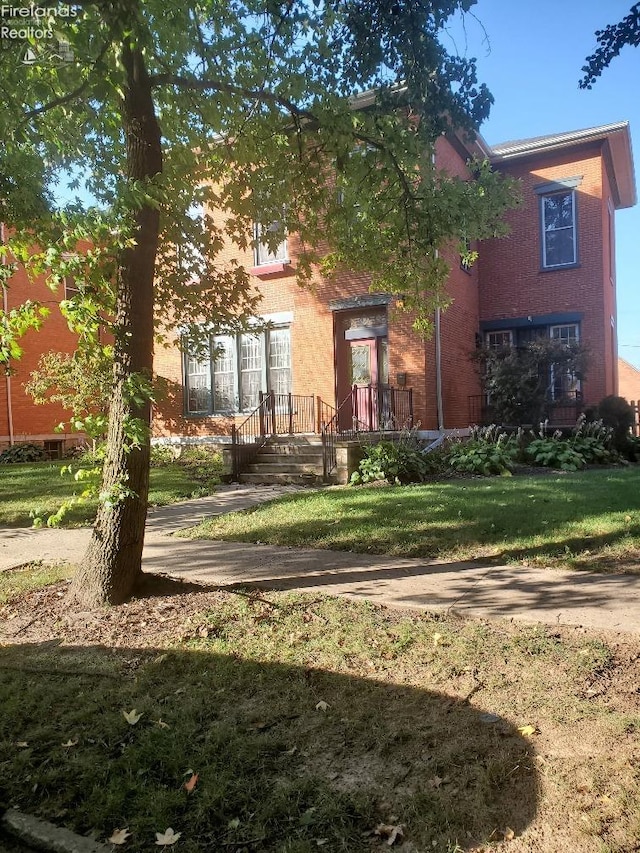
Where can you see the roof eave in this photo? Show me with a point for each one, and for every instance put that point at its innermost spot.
(616, 135)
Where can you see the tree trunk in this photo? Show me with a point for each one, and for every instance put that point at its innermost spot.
(112, 564)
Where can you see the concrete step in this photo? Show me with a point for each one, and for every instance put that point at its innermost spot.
(295, 441)
(291, 479)
(307, 455)
(284, 467)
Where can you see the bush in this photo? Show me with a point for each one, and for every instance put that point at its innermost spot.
(555, 452)
(24, 452)
(396, 462)
(487, 451)
(162, 454)
(204, 462)
(616, 412)
(593, 440)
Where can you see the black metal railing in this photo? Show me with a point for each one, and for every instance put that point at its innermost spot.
(276, 414)
(382, 407)
(366, 409)
(562, 412)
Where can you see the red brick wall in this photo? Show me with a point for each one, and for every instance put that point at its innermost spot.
(629, 381)
(512, 284)
(312, 341)
(31, 422)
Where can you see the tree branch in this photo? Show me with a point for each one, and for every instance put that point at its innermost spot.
(207, 85)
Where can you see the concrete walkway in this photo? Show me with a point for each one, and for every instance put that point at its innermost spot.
(604, 602)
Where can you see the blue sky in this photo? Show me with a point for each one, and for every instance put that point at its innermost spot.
(531, 57)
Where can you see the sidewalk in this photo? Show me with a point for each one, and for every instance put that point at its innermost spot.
(602, 602)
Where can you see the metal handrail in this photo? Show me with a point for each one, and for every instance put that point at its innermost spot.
(276, 414)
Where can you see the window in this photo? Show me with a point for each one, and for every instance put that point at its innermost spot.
(267, 250)
(559, 229)
(237, 368)
(499, 340)
(564, 383)
(71, 289)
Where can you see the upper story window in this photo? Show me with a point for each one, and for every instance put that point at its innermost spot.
(559, 229)
(267, 250)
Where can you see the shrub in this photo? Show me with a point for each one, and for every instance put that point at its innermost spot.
(555, 452)
(204, 462)
(488, 451)
(396, 462)
(24, 452)
(593, 440)
(616, 412)
(161, 455)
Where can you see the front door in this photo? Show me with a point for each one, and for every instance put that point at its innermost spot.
(363, 378)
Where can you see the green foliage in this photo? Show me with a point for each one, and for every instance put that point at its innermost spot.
(555, 452)
(611, 40)
(517, 379)
(23, 452)
(393, 461)
(593, 441)
(616, 412)
(487, 451)
(80, 382)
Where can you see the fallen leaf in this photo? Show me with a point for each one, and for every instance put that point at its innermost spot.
(234, 823)
(390, 832)
(119, 836)
(132, 716)
(436, 638)
(191, 783)
(162, 725)
(70, 743)
(21, 744)
(321, 841)
(322, 705)
(527, 730)
(167, 837)
(509, 834)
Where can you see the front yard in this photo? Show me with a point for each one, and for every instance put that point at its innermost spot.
(294, 723)
(584, 520)
(39, 487)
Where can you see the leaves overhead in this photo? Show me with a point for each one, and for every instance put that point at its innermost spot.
(255, 102)
(611, 40)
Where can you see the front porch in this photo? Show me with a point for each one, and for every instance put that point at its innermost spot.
(303, 439)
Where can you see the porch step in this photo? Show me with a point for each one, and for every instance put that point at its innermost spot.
(267, 466)
(291, 479)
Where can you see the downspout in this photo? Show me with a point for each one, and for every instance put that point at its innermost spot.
(5, 308)
(438, 342)
(439, 405)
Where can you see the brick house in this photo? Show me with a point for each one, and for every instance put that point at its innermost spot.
(553, 276)
(339, 346)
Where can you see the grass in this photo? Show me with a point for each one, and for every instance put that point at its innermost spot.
(311, 721)
(588, 520)
(19, 581)
(39, 486)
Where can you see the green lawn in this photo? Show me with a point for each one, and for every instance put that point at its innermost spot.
(307, 723)
(586, 520)
(40, 486)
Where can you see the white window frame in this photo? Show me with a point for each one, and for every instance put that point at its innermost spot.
(263, 256)
(570, 376)
(236, 353)
(572, 227)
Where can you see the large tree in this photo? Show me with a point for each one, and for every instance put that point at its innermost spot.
(245, 108)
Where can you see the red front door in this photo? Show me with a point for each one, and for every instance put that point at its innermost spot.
(363, 378)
